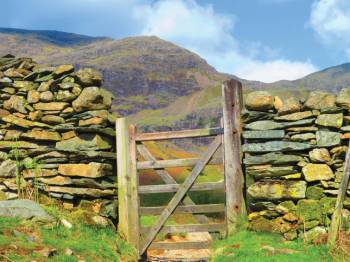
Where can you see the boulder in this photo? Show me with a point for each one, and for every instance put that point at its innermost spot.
(33, 97)
(79, 144)
(16, 103)
(91, 170)
(315, 172)
(46, 96)
(259, 101)
(92, 98)
(330, 120)
(8, 168)
(319, 155)
(277, 190)
(277, 103)
(275, 146)
(290, 105)
(63, 70)
(24, 209)
(88, 77)
(319, 100)
(327, 138)
(343, 98)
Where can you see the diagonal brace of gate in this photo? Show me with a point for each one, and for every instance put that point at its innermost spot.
(175, 201)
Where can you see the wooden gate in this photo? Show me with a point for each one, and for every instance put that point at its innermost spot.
(130, 144)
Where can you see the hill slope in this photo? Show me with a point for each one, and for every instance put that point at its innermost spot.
(156, 81)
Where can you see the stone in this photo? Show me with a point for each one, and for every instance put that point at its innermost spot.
(251, 116)
(78, 144)
(24, 85)
(16, 103)
(52, 119)
(3, 113)
(81, 192)
(275, 146)
(327, 138)
(290, 217)
(343, 98)
(319, 155)
(45, 86)
(263, 171)
(24, 209)
(290, 105)
(31, 173)
(100, 221)
(330, 120)
(88, 77)
(303, 137)
(272, 158)
(33, 97)
(65, 96)
(92, 121)
(63, 70)
(295, 116)
(286, 207)
(42, 135)
(315, 233)
(309, 209)
(319, 100)
(314, 192)
(264, 125)
(8, 168)
(91, 170)
(315, 172)
(92, 98)
(12, 135)
(52, 106)
(277, 190)
(264, 134)
(68, 135)
(17, 145)
(46, 96)
(259, 100)
(277, 103)
(35, 115)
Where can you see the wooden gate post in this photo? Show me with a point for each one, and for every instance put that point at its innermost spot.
(234, 181)
(128, 199)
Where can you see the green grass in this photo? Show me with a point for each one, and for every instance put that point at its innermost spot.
(87, 242)
(246, 246)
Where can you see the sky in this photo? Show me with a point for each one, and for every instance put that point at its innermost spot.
(264, 40)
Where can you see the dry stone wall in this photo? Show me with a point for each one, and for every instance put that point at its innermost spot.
(294, 156)
(56, 132)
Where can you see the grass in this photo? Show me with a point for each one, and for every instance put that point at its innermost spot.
(21, 240)
(247, 246)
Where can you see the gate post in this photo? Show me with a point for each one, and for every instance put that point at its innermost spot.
(234, 181)
(128, 199)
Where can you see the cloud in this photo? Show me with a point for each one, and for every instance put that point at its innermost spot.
(330, 19)
(210, 34)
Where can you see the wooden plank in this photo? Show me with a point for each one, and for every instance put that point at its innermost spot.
(168, 179)
(122, 146)
(337, 214)
(232, 93)
(180, 245)
(184, 162)
(133, 196)
(174, 202)
(170, 188)
(179, 134)
(188, 228)
(193, 209)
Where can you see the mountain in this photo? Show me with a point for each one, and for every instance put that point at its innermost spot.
(155, 82)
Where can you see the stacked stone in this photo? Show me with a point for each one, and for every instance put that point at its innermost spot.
(55, 131)
(294, 155)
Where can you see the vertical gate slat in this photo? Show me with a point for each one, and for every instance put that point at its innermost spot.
(235, 207)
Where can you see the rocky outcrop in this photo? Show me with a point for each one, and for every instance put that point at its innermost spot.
(56, 131)
(294, 160)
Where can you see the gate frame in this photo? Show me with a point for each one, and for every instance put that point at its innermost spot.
(128, 182)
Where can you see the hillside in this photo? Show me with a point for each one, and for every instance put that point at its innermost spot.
(154, 81)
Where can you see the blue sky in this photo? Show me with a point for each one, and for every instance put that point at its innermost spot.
(266, 40)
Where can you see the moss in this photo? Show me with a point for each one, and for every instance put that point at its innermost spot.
(309, 209)
(314, 192)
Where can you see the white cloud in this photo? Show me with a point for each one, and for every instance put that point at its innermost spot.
(330, 19)
(209, 34)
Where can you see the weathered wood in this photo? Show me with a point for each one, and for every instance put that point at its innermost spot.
(193, 209)
(170, 188)
(337, 214)
(188, 228)
(123, 169)
(184, 162)
(232, 103)
(168, 179)
(179, 134)
(174, 202)
(181, 245)
(133, 197)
